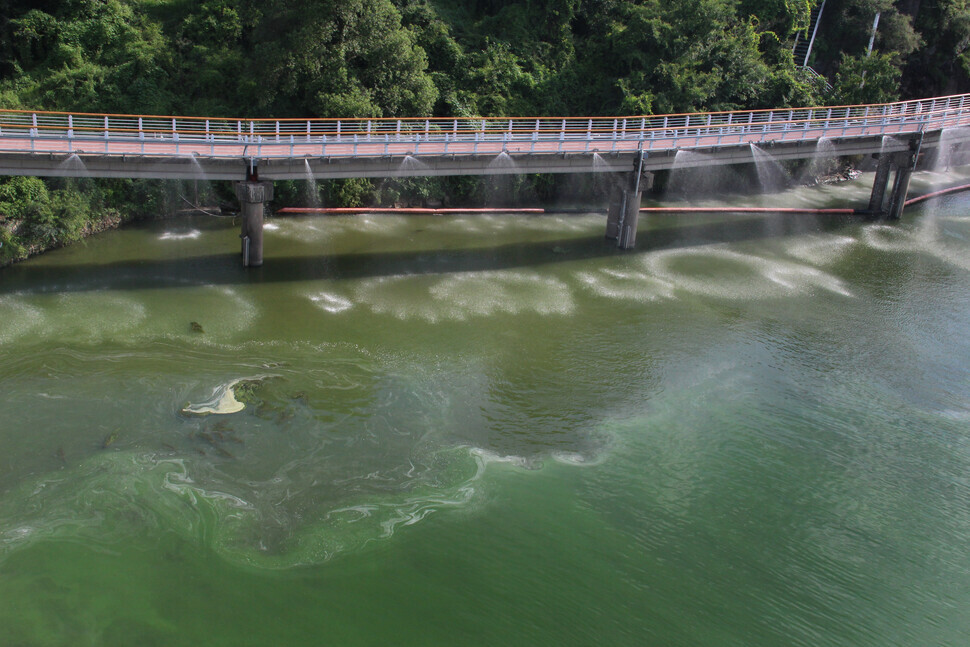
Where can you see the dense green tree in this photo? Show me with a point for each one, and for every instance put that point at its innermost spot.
(678, 57)
(783, 17)
(942, 64)
(846, 32)
(867, 79)
(351, 58)
(95, 56)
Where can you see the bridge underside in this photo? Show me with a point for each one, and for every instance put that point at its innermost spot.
(195, 167)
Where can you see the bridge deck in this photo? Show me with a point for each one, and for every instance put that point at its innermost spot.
(43, 143)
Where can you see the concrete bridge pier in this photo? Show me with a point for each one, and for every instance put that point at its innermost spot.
(878, 197)
(629, 219)
(624, 209)
(617, 207)
(903, 164)
(900, 188)
(252, 196)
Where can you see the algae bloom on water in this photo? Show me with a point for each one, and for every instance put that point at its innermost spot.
(228, 398)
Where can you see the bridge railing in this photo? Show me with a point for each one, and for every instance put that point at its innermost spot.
(95, 133)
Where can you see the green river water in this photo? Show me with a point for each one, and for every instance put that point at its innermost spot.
(492, 430)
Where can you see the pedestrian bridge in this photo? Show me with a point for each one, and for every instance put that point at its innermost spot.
(39, 143)
(250, 150)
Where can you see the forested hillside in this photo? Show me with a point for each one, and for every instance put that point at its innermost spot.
(342, 58)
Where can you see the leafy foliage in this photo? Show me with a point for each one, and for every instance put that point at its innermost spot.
(867, 79)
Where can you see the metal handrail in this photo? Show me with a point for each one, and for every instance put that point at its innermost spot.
(223, 136)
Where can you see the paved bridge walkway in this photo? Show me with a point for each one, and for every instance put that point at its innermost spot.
(144, 146)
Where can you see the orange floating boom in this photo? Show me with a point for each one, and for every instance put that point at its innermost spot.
(440, 211)
(405, 210)
(920, 198)
(743, 210)
(424, 210)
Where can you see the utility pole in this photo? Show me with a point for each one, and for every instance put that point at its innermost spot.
(872, 38)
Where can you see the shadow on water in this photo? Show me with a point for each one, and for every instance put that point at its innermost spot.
(226, 269)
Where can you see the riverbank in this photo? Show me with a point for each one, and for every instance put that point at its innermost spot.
(37, 214)
(17, 244)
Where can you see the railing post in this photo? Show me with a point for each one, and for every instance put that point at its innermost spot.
(277, 131)
(106, 127)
